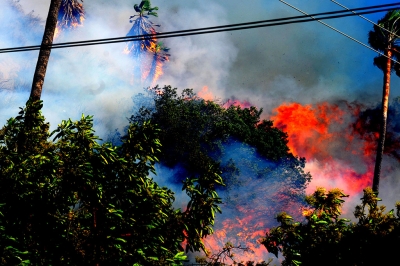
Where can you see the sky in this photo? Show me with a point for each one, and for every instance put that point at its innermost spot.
(312, 81)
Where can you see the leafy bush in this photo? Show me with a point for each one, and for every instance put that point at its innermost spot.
(67, 200)
(326, 239)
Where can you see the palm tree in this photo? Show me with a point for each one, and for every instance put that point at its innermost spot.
(142, 26)
(44, 54)
(149, 54)
(71, 14)
(385, 38)
(40, 73)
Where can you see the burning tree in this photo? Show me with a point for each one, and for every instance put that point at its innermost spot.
(160, 55)
(71, 14)
(149, 53)
(261, 175)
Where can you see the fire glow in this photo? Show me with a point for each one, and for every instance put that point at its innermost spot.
(340, 152)
(319, 133)
(149, 54)
(70, 16)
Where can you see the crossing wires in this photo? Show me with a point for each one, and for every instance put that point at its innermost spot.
(338, 31)
(215, 29)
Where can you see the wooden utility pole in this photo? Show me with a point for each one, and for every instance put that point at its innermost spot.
(45, 49)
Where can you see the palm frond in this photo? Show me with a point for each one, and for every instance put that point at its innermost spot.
(71, 14)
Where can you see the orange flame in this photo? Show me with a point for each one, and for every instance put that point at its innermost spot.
(146, 61)
(307, 126)
(311, 134)
(78, 24)
(319, 133)
(158, 72)
(74, 25)
(324, 134)
(243, 234)
(155, 49)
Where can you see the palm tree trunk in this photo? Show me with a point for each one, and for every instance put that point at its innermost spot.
(40, 72)
(382, 132)
(44, 54)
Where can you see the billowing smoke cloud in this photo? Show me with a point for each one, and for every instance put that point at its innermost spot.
(306, 62)
(98, 80)
(257, 191)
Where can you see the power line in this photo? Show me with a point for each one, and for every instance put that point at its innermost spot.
(215, 29)
(199, 30)
(338, 31)
(370, 21)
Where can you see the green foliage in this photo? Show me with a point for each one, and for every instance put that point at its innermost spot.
(72, 201)
(326, 239)
(194, 132)
(145, 6)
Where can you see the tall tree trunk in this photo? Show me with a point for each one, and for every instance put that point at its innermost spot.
(382, 132)
(40, 72)
(44, 54)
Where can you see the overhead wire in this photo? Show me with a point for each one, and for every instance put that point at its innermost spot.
(366, 19)
(344, 34)
(214, 29)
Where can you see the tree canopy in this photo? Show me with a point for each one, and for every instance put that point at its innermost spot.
(326, 239)
(383, 37)
(67, 200)
(195, 133)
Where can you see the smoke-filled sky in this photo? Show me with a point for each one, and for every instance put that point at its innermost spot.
(294, 72)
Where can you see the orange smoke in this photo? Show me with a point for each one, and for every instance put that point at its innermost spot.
(242, 104)
(243, 234)
(206, 94)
